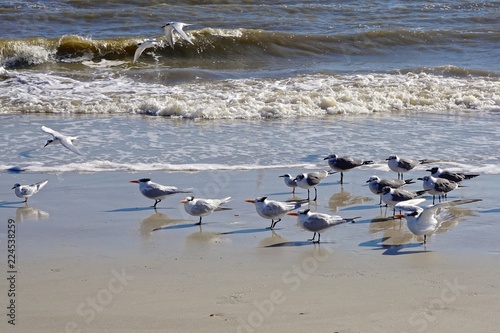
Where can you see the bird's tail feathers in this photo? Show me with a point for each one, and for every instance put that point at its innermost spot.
(471, 176)
(367, 162)
(41, 184)
(422, 192)
(409, 181)
(331, 172)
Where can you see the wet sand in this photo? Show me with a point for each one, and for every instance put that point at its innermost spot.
(93, 256)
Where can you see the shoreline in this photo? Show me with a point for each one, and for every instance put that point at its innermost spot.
(89, 257)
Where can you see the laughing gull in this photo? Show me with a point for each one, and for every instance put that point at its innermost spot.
(156, 191)
(317, 222)
(424, 221)
(273, 210)
(456, 177)
(311, 179)
(344, 164)
(391, 196)
(375, 184)
(203, 207)
(438, 186)
(402, 165)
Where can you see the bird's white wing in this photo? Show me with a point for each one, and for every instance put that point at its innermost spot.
(140, 48)
(66, 142)
(51, 131)
(409, 205)
(178, 27)
(168, 35)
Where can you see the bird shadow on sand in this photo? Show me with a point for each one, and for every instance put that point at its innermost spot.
(9, 204)
(296, 244)
(245, 231)
(135, 209)
(395, 249)
(182, 226)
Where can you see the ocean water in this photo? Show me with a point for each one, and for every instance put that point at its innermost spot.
(265, 85)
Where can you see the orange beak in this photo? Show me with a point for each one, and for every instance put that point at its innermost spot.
(251, 201)
(134, 181)
(399, 216)
(184, 201)
(293, 214)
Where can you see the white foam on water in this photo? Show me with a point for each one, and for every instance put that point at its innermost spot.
(302, 96)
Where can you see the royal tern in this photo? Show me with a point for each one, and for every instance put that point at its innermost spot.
(143, 46)
(344, 164)
(156, 191)
(438, 186)
(26, 191)
(424, 221)
(202, 207)
(66, 141)
(391, 196)
(375, 184)
(289, 181)
(311, 179)
(177, 26)
(273, 210)
(456, 177)
(402, 165)
(317, 222)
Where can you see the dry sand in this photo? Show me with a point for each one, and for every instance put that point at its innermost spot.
(88, 261)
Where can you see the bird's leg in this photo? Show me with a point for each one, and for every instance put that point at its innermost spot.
(433, 198)
(25, 200)
(293, 190)
(425, 239)
(315, 194)
(199, 223)
(312, 239)
(319, 236)
(380, 201)
(341, 177)
(156, 202)
(307, 194)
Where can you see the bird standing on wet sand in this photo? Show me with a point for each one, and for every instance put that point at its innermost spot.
(375, 184)
(311, 179)
(26, 191)
(156, 191)
(66, 141)
(289, 181)
(273, 210)
(203, 207)
(438, 186)
(391, 196)
(456, 177)
(424, 221)
(402, 165)
(344, 164)
(317, 222)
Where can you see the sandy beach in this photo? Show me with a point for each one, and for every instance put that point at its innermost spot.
(93, 256)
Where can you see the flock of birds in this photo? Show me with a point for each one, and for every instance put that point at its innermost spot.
(421, 221)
